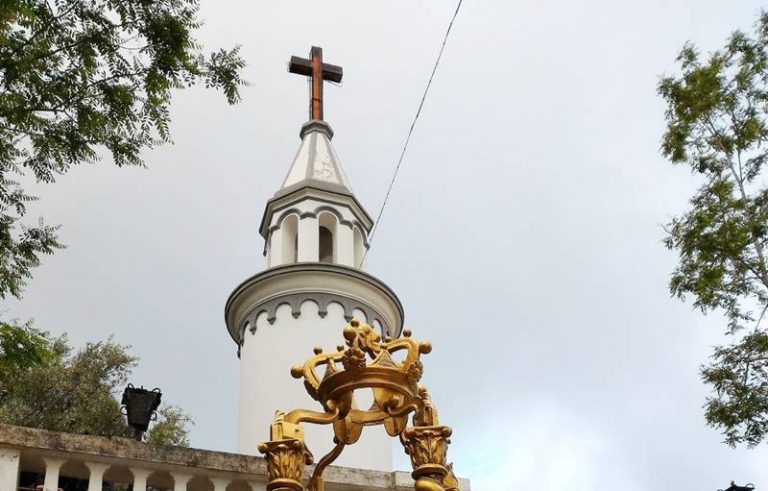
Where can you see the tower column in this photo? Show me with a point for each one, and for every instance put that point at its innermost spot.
(309, 239)
(345, 246)
(275, 256)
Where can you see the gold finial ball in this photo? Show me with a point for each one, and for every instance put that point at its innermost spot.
(318, 350)
(340, 347)
(354, 323)
(349, 333)
(297, 371)
(425, 347)
(387, 339)
(407, 333)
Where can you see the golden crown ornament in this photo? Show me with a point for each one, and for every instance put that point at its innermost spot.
(366, 362)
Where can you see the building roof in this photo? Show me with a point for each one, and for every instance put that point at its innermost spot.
(316, 165)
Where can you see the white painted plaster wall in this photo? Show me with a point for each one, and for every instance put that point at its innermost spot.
(266, 384)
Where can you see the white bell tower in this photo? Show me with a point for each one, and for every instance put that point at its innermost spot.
(315, 233)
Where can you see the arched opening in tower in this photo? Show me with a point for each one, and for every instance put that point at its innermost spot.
(328, 223)
(326, 245)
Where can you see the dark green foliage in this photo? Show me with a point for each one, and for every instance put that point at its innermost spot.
(80, 79)
(51, 387)
(716, 124)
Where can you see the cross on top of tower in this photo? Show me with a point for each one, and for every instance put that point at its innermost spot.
(318, 71)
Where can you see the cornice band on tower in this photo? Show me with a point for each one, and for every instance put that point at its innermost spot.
(322, 282)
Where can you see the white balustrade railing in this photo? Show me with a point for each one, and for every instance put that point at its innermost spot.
(38, 460)
(48, 469)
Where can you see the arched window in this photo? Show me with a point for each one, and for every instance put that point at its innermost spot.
(327, 236)
(326, 245)
(290, 230)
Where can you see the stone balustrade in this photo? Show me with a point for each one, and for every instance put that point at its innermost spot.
(114, 463)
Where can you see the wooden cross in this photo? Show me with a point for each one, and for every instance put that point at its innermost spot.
(318, 71)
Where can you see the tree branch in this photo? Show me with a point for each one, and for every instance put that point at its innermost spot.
(46, 27)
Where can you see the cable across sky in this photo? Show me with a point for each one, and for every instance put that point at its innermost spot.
(410, 130)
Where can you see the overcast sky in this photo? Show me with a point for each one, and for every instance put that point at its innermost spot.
(523, 235)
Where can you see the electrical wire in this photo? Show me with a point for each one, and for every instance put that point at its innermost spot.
(410, 132)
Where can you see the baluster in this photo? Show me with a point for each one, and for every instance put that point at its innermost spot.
(220, 483)
(180, 481)
(52, 468)
(140, 477)
(96, 477)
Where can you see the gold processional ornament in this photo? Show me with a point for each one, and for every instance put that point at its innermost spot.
(365, 363)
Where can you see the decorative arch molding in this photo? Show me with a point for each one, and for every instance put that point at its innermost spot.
(286, 214)
(322, 300)
(322, 283)
(309, 204)
(314, 214)
(354, 225)
(333, 211)
(308, 214)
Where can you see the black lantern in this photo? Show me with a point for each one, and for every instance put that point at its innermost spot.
(735, 487)
(139, 407)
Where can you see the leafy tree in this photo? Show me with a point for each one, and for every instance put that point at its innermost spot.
(82, 79)
(716, 124)
(75, 392)
(171, 427)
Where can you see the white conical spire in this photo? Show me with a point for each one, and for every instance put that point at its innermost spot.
(316, 164)
(314, 216)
